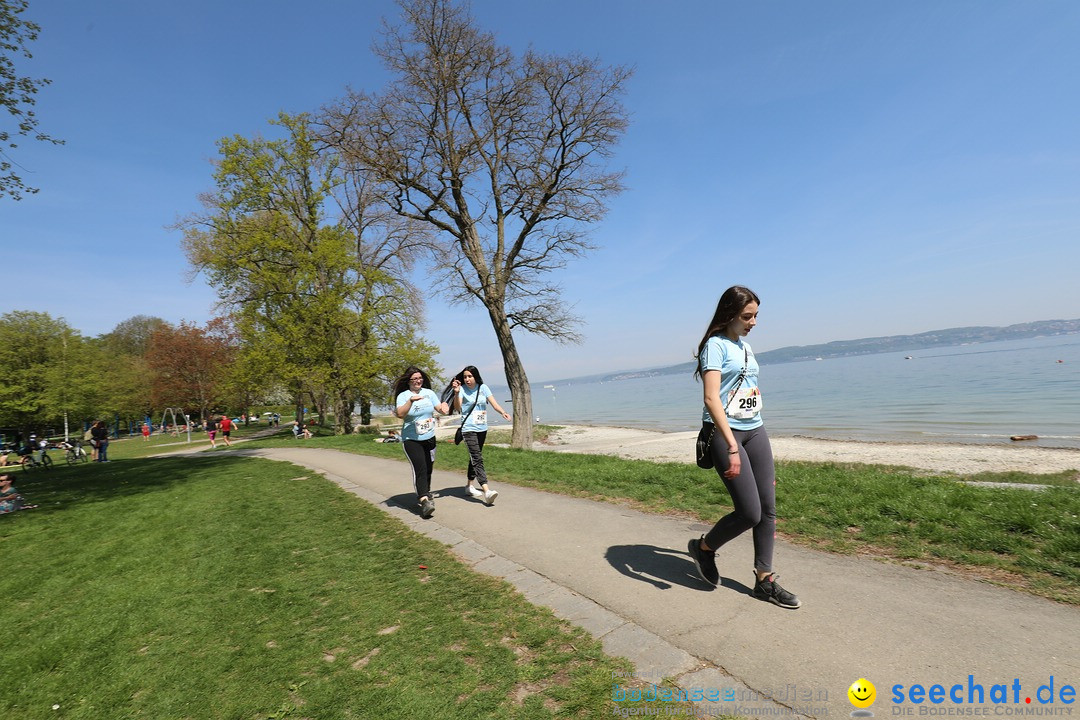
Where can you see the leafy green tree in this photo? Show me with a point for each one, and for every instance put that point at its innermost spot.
(501, 155)
(77, 382)
(54, 377)
(17, 92)
(31, 351)
(132, 336)
(316, 304)
(125, 385)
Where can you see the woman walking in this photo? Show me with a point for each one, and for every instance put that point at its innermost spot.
(471, 399)
(211, 431)
(738, 444)
(416, 403)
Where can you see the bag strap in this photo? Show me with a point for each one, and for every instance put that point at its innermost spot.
(742, 376)
(738, 384)
(465, 416)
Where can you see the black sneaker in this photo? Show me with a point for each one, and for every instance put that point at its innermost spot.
(427, 508)
(770, 590)
(704, 561)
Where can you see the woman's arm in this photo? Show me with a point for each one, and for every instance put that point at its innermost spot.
(712, 381)
(402, 410)
(491, 401)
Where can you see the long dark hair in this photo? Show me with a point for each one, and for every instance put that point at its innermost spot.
(402, 383)
(448, 393)
(731, 303)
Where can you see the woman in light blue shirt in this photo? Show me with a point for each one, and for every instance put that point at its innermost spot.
(416, 403)
(738, 444)
(471, 399)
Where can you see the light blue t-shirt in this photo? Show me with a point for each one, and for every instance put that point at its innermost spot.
(477, 419)
(743, 410)
(420, 420)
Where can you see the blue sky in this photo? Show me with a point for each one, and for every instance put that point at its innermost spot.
(868, 168)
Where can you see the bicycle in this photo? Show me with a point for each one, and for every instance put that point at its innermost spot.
(29, 462)
(73, 452)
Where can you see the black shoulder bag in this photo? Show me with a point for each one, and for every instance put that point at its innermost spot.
(705, 434)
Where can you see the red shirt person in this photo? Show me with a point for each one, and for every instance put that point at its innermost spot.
(227, 426)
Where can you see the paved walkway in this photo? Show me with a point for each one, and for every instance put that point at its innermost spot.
(625, 577)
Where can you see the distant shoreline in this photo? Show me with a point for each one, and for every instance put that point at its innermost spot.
(838, 349)
(957, 458)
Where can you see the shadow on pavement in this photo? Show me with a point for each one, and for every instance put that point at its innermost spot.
(663, 567)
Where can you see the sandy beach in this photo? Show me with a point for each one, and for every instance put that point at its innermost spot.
(957, 459)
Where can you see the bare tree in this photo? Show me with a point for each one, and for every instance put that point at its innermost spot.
(503, 155)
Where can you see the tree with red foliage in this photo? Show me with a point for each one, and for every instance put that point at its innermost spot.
(189, 364)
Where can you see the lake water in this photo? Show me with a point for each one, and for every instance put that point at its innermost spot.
(980, 393)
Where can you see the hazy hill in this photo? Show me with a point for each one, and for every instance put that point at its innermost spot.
(869, 346)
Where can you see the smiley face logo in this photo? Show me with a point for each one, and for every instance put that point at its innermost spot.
(862, 693)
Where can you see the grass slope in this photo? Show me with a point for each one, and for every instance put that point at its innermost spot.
(224, 587)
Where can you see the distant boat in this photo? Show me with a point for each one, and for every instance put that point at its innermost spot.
(908, 357)
(549, 387)
(817, 358)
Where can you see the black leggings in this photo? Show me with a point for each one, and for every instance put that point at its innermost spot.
(474, 441)
(421, 454)
(753, 493)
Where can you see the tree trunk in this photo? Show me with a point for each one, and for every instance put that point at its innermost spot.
(522, 435)
(343, 404)
(300, 407)
(365, 411)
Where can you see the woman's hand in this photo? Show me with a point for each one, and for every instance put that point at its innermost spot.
(506, 415)
(736, 465)
(416, 398)
(457, 385)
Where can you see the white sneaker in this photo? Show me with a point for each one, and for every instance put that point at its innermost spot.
(489, 496)
(473, 491)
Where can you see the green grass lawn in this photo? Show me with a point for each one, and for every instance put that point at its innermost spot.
(226, 587)
(1023, 539)
(135, 447)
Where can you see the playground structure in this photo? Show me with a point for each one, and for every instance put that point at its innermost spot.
(175, 423)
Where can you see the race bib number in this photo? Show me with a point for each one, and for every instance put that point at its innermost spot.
(744, 404)
(423, 427)
(479, 417)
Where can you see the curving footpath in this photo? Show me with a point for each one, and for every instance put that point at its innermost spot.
(625, 577)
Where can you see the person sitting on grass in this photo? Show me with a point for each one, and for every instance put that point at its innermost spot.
(297, 432)
(10, 499)
(391, 437)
